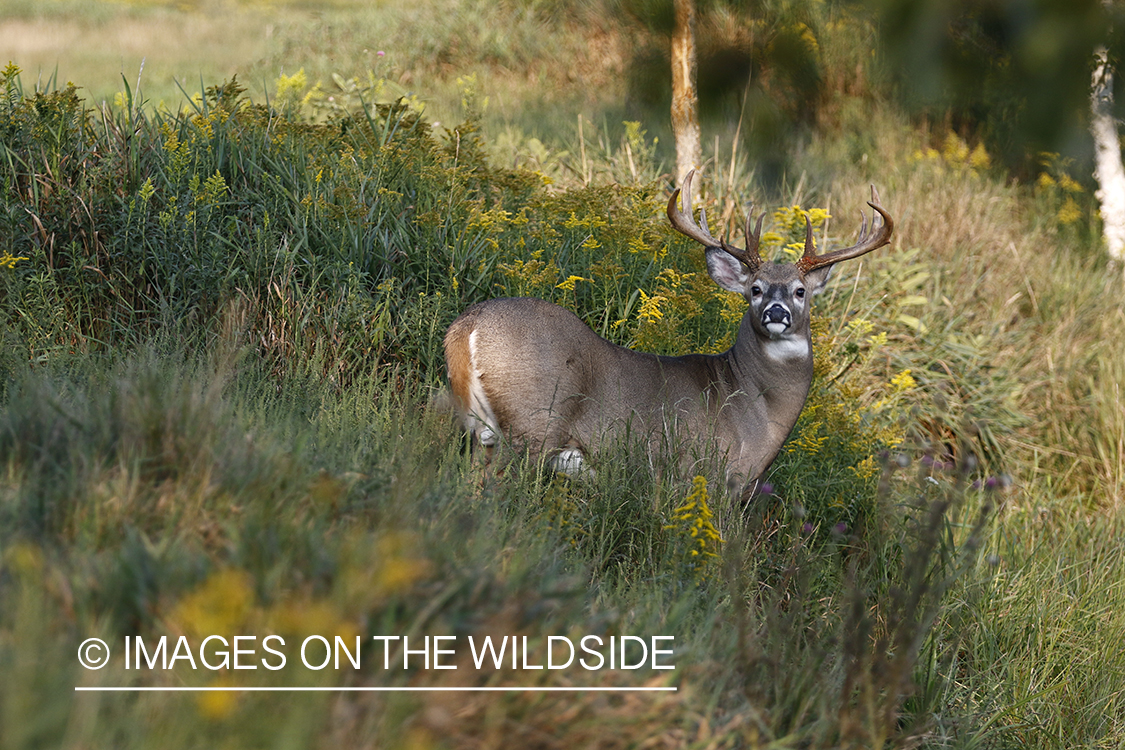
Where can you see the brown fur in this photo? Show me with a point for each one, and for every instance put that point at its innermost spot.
(458, 359)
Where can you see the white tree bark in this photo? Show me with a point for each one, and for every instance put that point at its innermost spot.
(685, 100)
(1108, 170)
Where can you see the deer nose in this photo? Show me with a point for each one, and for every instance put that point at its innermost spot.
(776, 313)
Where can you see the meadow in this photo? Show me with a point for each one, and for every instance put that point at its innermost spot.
(222, 301)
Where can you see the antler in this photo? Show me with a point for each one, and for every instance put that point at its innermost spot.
(683, 223)
(879, 235)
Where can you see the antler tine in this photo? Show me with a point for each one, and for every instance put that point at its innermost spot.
(682, 221)
(809, 249)
(879, 234)
(688, 200)
(863, 223)
(755, 238)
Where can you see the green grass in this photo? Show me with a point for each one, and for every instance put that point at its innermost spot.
(219, 413)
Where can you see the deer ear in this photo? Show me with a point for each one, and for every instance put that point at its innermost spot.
(817, 279)
(726, 270)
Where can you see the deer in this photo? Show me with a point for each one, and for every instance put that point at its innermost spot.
(534, 374)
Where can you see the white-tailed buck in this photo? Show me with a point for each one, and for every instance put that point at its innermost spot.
(534, 374)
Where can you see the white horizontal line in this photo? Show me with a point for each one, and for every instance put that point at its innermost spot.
(233, 689)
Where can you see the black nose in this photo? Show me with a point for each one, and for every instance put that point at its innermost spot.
(776, 314)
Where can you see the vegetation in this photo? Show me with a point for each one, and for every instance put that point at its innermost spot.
(220, 414)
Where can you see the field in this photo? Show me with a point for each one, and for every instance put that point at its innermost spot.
(222, 302)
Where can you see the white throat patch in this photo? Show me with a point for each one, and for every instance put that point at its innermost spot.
(787, 348)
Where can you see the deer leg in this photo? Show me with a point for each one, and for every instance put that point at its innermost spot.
(571, 460)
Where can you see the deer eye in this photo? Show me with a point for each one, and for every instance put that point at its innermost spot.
(800, 292)
(755, 291)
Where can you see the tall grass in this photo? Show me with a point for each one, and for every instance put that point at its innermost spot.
(164, 495)
(222, 334)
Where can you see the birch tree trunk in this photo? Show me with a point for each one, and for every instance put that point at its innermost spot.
(1108, 170)
(685, 99)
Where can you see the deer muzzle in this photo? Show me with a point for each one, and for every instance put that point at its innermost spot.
(776, 318)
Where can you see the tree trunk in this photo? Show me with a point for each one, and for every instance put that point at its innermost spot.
(685, 100)
(1108, 170)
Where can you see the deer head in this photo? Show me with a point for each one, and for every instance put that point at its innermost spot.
(778, 293)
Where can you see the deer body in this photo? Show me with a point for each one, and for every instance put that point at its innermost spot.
(534, 373)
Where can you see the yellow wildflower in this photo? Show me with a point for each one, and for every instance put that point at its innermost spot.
(955, 149)
(7, 260)
(650, 307)
(568, 284)
(222, 604)
(1069, 184)
(693, 519)
(980, 159)
(904, 381)
(217, 704)
(1070, 212)
(866, 468)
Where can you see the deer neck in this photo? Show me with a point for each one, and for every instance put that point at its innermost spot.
(778, 370)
